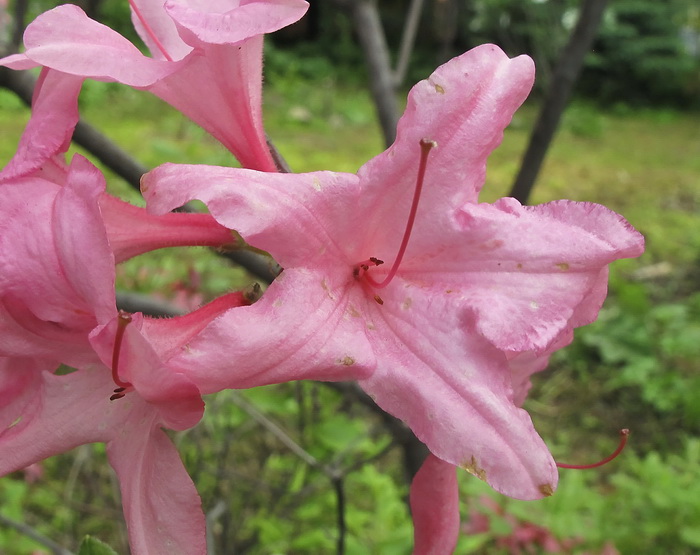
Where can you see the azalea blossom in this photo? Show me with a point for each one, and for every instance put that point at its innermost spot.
(41, 155)
(477, 285)
(207, 60)
(43, 414)
(57, 305)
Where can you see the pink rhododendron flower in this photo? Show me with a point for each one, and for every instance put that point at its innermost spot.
(40, 155)
(478, 284)
(43, 414)
(57, 305)
(435, 508)
(207, 60)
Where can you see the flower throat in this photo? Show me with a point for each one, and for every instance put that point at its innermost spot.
(362, 269)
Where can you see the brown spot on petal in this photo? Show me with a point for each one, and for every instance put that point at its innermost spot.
(491, 245)
(563, 266)
(473, 468)
(546, 489)
(518, 266)
(352, 311)
(324, 285)
(347, 361)
(439, 89)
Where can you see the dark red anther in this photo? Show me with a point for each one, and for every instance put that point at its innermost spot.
(624, 434)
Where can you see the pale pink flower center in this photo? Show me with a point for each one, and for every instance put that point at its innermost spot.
(361, 270)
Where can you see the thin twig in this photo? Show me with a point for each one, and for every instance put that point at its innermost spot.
(280, 434)
(138, 302)
(562, 84)
(336, 475)
(338, 486)
(19, 20)
(30, 532)
(414, 451)
(408, 40)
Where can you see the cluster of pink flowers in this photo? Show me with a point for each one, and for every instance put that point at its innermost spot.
(445, 334)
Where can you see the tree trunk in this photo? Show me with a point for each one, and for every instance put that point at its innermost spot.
(563, 79)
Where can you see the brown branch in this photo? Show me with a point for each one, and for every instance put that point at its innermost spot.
(369, 30)
(563, 79)
(31, 533)
(414, 450)
(408, 40)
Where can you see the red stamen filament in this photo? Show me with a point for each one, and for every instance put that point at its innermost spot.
(425, 145)
(624, 434)
(123, 320)
(149, 30)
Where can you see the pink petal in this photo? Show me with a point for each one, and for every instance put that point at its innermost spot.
(232, 21)
(177, 398)
(33, 265)
(435, 508)
(271, 211)
(67, 40)
(132, 231)
(57, 414)
(454, 391)
(22, 334)
(161, 505)
(79, 234)
(19, 380)
(18, 62)
(49, 131)
(57, 281)
(276, 339)
(464, 106)
(169, 335)
(527, 270)
(231, 110)
(162, 32)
